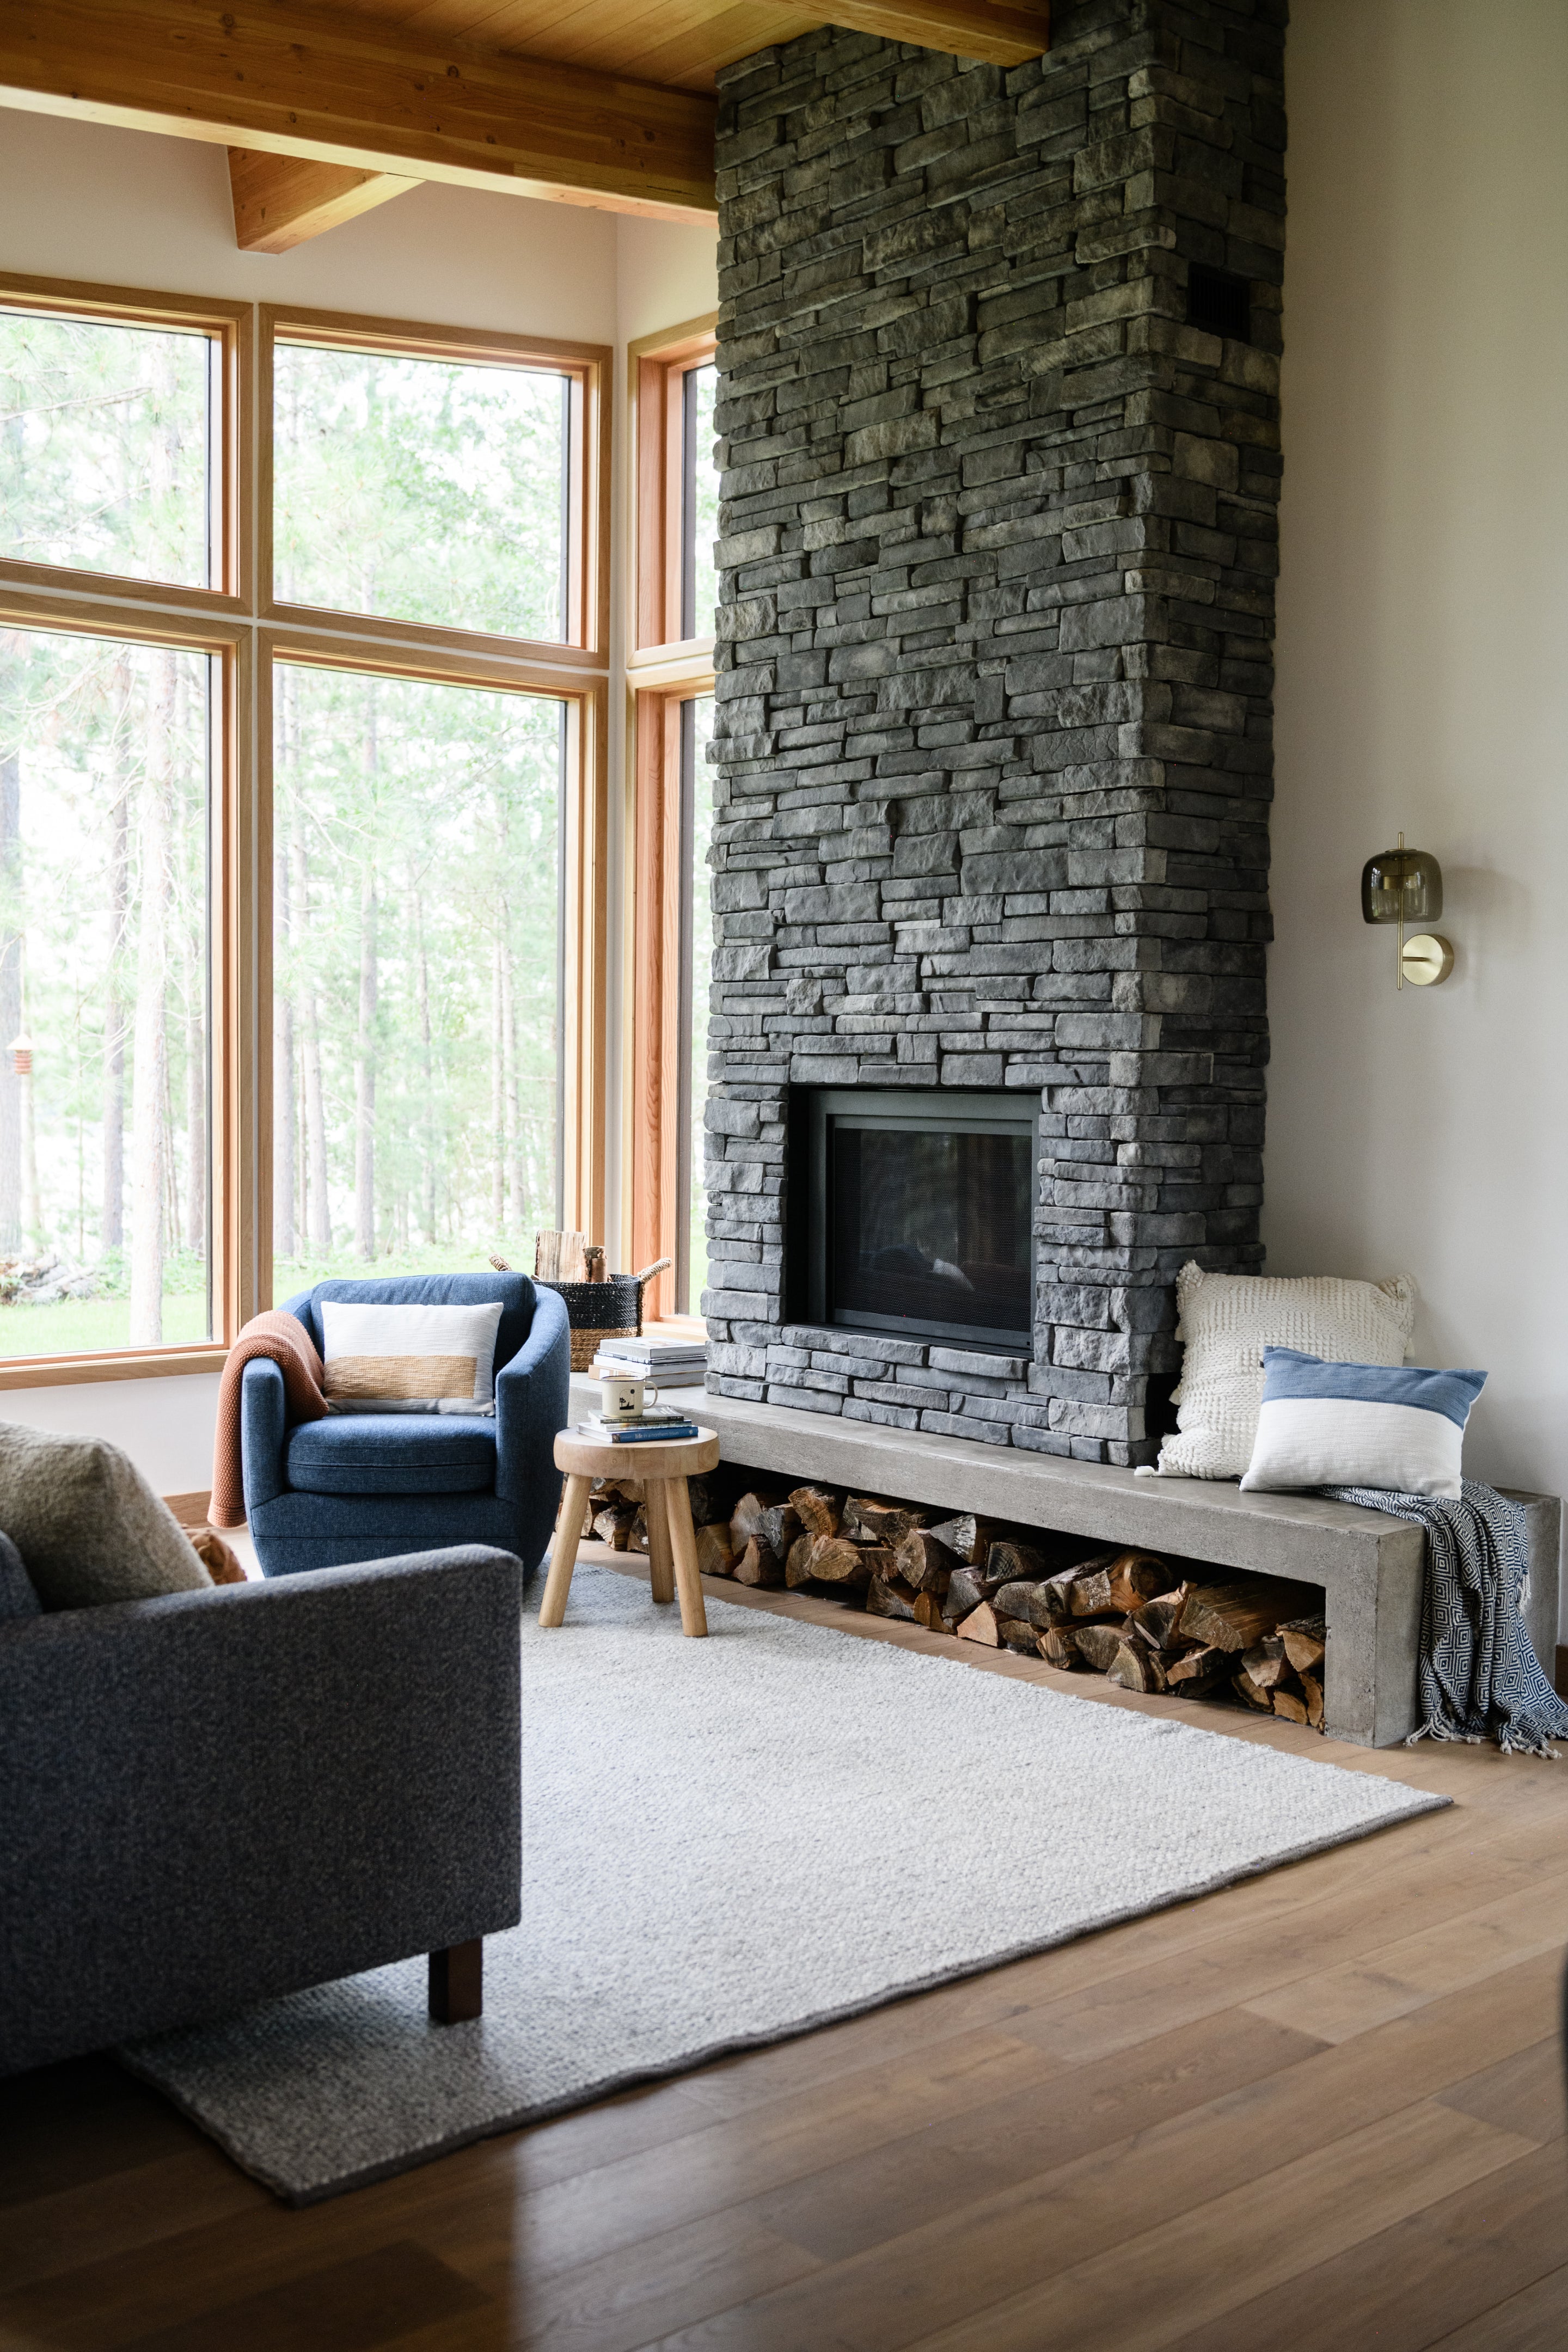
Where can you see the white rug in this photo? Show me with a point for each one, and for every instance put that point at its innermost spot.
(727, 1842)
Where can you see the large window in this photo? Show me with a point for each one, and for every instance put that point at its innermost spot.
(301, 859)
(674, 588)
(416, 979)
(105, 1182)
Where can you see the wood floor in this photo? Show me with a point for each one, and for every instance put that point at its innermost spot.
(1320, 2112)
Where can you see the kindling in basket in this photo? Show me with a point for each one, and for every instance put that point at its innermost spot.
(608, 1307)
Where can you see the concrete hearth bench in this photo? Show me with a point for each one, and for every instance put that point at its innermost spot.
(1370, 1566)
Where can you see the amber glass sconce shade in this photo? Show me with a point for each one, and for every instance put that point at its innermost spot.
(1400, 885)
(1405, 886)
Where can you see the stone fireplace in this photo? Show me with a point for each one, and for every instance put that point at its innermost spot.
(999, 355)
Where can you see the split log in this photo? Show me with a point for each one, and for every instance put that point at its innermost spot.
(1292, 1708)
(704, 1507)
(637, 1539)
(620, 1490)
(1312, 1693)
(614, 1525)
(1245, 1688)
(980, 1625)
(1267, 1663)
(836, 1561)
(797, 1562)
(1305, 1641)
(967, 1588)
(1059, 1647)
(928, 1613)
(1015, 1563)
(759, 1564)
(925, 1562)
(1234, 1616)
(743, 1518)
(965, 1535)
(778, 1529)
(1122, 1583)
(1099, 1644)
(1018, 1635)
(1137, 1667)
(1196, 1671)
(714, 1556)
(890, 1596)
(880, 1523)
(1158, 1620)
(821, 1510)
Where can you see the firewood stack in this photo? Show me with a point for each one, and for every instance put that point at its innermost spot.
(1258, 1642)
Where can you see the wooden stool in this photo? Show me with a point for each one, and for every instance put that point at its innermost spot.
(664, 1465)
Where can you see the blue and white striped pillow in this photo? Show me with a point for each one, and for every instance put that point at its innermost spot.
(1360, 1426)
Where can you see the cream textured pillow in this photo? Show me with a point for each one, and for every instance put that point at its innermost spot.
(89, 1526)
(1226, 1320)
(409, 1358)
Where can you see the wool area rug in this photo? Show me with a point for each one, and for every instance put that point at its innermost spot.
(728, 1842)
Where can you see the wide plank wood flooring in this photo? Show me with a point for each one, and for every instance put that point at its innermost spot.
(1319, 2112)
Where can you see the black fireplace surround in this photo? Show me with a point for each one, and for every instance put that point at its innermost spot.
(913, 1213)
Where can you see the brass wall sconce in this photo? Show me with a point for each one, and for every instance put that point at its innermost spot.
(1405, 886)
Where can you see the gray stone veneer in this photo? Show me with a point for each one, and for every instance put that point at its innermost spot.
(992, 755)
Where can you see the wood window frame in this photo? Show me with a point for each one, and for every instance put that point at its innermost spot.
(586, 367)
(235, 978)
(658, 366)
(250, 631)
(231, 324)
(663, 670)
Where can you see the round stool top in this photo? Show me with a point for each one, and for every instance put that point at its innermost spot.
(648, 1457)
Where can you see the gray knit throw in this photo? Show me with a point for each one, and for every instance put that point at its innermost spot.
(1479, 1677)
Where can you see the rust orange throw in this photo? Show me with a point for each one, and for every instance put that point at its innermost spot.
(276, 1337)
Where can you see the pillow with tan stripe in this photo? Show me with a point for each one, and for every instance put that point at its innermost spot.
(408, 1358)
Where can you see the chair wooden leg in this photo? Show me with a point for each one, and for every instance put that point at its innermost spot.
(660, 1564)
(457, 1982)
(683, 1544)
(563, 1550)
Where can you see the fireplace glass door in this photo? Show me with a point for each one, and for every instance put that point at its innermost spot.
(918, 1215)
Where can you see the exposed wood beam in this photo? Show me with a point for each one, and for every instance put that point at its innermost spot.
(283, 80)
(1003, 34)
(280, 201)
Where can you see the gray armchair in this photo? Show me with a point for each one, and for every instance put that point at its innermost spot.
(215, 1796)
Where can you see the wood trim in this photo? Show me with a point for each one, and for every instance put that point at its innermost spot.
(586, 367)
(139, 1364)
(657, 364)
(301, 82)
(997, 33)
(282, 201)
(443, 665)
(655, 1044)
(661, 665)
(585, 1111)
(231, 324)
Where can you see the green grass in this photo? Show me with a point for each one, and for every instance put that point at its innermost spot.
(83, 1327)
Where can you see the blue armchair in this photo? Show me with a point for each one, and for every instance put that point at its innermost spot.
(327, 1493)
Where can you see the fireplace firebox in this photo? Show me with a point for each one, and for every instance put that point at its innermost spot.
(913, 1212)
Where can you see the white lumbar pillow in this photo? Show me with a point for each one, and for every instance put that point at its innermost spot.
(1360, 1426)
(1225, 1321)
(409, 1358)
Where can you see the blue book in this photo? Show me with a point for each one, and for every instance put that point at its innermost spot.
(660, 1432)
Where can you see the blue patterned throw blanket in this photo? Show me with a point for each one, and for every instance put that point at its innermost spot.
(1479, 1677)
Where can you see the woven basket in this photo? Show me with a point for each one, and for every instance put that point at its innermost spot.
(611, 1310)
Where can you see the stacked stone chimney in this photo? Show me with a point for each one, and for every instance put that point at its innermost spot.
(994, 757)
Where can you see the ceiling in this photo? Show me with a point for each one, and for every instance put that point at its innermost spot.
(681, 43)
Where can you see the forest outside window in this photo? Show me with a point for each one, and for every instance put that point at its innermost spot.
(106, 766)
(417, 982)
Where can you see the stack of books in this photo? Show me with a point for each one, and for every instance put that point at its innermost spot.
(654, 1421)
(673, 1363)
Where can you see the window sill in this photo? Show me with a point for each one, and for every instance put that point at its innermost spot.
(129, 1364)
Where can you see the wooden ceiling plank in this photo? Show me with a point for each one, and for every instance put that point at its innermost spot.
(993, 31)
(281, 201)
(287, 81)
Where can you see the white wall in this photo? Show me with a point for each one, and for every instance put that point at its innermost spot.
(124, 207)
(1422, 684)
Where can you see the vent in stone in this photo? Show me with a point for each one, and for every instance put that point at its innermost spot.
(1219, 303)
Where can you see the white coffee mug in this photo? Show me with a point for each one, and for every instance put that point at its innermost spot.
(624, 1395)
